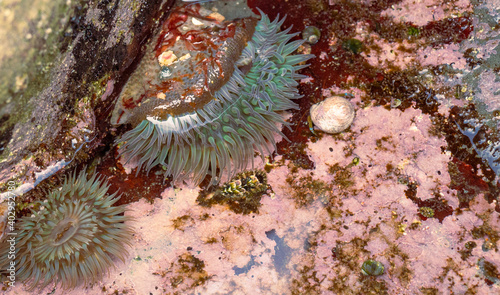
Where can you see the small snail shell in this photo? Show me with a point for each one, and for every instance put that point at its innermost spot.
(333, 115)
(311, 34)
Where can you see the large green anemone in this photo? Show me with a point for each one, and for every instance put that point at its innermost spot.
(241, 118)
(72, 239)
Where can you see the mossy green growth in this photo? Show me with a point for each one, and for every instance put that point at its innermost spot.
(95, 90)
(489, 270)
(413, 31)
(343, 175)
(353, 45)
(486, 230)
(427, 212)
(466, 252)
(429, 291)
(306, 190)
(186, 273)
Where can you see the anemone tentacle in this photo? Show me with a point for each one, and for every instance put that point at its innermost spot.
(73, 237)
(224, 134)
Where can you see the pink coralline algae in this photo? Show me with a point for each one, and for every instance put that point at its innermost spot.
(398, 203)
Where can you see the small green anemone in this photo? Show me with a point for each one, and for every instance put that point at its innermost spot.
(372, 268)
(73, 238)
(242, 117)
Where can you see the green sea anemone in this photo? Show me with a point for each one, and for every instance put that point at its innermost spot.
(372, 268)
(250, 78)
(72, 239)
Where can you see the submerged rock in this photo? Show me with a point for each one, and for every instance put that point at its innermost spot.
(54, 119)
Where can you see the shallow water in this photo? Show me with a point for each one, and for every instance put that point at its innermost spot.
(413, 183)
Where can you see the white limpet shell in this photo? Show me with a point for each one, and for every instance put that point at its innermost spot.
(333, 115)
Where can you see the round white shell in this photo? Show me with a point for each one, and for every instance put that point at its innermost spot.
(333, 115)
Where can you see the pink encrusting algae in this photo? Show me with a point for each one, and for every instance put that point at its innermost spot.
(398, 203)
(317, 247)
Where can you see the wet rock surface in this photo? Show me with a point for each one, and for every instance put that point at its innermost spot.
(405, 187)
(63, 121)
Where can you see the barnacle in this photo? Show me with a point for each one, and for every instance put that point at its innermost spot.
(73, 238)
(219, 100)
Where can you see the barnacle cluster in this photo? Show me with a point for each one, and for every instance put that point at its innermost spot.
(242, 193)
(73, 238)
